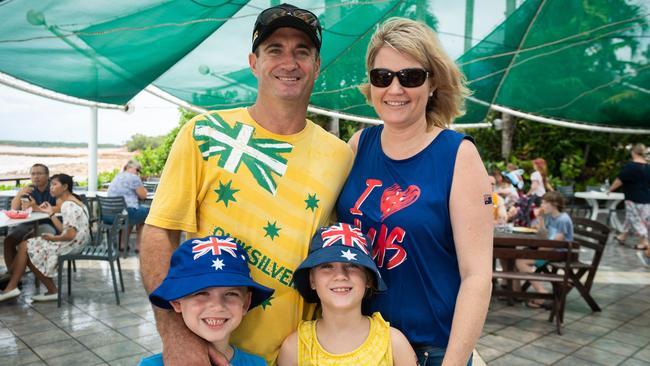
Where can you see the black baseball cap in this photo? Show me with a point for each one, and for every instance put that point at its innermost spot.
(287, 15)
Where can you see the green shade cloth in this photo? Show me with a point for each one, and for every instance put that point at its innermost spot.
(578, 60)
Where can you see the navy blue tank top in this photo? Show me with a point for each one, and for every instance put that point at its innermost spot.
(403, 206)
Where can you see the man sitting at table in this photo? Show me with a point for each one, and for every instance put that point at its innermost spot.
(129, 185)
(553, 224)
(32, 195)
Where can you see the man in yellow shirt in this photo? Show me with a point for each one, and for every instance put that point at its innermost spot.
(264, 175)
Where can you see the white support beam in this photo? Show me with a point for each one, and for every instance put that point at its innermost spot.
(12, 82)
(92, 151)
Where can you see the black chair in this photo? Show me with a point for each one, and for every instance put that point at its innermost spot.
(110, 207)
(98, 250)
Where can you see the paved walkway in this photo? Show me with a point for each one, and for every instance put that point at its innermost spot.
(92, 330)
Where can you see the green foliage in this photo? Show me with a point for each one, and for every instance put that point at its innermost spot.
(105, 177)
(153, 159)
(571, 166)
(141, 142)
(348, 128)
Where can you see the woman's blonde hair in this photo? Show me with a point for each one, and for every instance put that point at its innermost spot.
(419, 42)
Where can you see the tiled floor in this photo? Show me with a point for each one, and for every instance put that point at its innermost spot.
(93, 330)
(619, 335)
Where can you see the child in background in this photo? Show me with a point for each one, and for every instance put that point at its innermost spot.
(340, 274)
(209, 283)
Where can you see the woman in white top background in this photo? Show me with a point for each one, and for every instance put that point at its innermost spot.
(539, 183)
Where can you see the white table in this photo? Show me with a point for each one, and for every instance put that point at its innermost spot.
(611, 199)
(105, 194)
(34, 216)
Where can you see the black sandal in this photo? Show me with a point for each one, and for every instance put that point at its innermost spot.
(620, 241)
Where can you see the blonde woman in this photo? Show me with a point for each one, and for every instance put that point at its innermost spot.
(420, 191)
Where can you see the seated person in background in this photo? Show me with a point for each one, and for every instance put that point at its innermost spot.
(340, 275)
(515, 175)
(129, 185)
(505, 189)
(499, 212)
(553, 224)
(31, 196)
(210, 285)
(40, 253)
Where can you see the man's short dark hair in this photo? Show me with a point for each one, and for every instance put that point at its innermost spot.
(39, 165)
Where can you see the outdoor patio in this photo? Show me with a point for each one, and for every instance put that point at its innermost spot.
(92, 330)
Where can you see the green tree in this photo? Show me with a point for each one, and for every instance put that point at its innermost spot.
(153, 159)
(141, 142)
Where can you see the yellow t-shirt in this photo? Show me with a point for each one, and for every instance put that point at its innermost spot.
(226, 175)
(376, 350)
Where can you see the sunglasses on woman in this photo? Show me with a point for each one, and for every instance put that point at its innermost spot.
(408, 78)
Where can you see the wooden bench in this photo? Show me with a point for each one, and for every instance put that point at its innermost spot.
(510, 247)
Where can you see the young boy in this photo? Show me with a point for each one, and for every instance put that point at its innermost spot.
(340, 274)
(209, 283)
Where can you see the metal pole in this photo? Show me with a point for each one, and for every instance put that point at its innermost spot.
(334, 126)
(469, 24)
(92, 152)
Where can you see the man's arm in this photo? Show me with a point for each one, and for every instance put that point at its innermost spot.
(180, 345)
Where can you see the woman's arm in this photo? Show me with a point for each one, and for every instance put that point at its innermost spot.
(472, 226)
(403, 353)
(67, 235)
(354, 141)
(289, 351)
(141, 192)
(616, 185)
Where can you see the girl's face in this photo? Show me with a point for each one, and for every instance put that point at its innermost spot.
(339, 285)
(56, 188)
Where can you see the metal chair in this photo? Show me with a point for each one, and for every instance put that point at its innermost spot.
(110, 207)
(99, 250)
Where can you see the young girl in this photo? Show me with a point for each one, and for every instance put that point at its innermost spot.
(340, 274)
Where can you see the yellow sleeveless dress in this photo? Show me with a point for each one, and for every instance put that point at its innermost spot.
(374, 351)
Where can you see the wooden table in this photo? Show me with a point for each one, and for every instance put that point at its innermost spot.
(611, 199)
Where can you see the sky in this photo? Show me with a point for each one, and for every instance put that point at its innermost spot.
(23, 117)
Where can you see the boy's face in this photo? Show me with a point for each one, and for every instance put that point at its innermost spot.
(213, 313)
(339, 285)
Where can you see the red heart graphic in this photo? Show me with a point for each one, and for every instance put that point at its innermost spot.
(394, 199)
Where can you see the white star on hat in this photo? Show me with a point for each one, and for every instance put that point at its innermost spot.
(218, 264)
(349, 255)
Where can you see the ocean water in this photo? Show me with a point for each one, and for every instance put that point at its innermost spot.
(16, 161)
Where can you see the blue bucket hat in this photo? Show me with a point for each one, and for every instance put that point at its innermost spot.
(337, 243)
(213, 261)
